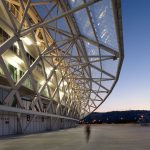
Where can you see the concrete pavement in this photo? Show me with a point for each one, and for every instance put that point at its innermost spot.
(103, 137)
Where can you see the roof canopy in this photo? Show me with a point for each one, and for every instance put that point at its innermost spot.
(86, 35)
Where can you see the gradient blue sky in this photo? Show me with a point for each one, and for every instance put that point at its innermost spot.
(133, 88)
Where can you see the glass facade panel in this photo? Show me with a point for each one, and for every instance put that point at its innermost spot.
(103, 18)
(82, 20)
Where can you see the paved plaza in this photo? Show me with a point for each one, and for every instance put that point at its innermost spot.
(103, 137)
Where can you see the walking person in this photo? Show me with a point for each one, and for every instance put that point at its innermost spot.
(88, 132)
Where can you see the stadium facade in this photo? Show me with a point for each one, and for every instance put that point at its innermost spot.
(59, 61)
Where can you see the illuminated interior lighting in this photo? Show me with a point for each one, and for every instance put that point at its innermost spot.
(48, 70)
(27, 41)
(14, 61)
(61, 94)
(16, 44)
(68, 90)
(50, 83)
(38, 43)
(17, 60)
(42, 82)
(63, 83)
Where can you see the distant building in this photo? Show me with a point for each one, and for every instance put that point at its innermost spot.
(144, 119)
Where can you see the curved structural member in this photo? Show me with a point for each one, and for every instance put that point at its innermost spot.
(59, 60)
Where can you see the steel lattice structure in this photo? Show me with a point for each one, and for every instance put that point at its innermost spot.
(63, 57)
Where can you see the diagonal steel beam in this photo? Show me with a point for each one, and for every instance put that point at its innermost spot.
(9, 17)
(25, 14)
(106, 73)
(7, 44)
(60, 31)
(100, 45)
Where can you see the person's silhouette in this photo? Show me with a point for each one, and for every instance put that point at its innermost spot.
(87, 131)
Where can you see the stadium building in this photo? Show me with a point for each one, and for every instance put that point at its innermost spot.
(59, 61)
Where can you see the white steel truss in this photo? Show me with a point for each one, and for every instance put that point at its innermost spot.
(63, 56)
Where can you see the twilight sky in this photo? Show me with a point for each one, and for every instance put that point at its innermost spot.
(133, 88)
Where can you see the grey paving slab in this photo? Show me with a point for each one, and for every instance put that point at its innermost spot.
(103, 137)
